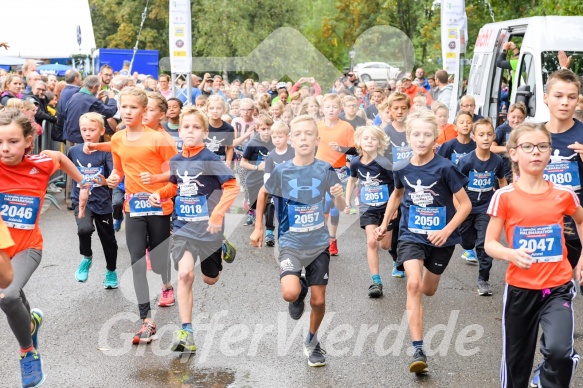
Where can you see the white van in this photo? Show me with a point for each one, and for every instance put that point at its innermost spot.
(539, 40)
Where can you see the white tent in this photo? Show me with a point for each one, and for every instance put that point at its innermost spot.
(46, 29)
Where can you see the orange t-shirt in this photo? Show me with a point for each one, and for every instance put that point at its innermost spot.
(5, 238)
(446, 133)
(341, 133)
(22, 194)
(414, 90)
(537, 221)
(150, 153)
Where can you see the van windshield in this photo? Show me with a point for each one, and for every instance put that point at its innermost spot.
(550, 63)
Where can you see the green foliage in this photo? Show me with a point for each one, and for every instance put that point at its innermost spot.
(227, 28)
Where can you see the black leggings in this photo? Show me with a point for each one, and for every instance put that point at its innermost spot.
(269, 207)
(152, 233)
(104, 225)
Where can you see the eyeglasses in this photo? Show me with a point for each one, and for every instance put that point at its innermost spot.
(529, 147)
(41, 90)
(468, 106)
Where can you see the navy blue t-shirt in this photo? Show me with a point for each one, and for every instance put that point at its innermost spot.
(375, 181)
(398, 149)
(355, 122)
(274, 158)
(298, 193)
(565, 167)
(97, 162)
(220, 138)
(255, 153)
(428, 202)
(175, 136)
(482, 177)
(454, 150)
(200, 180)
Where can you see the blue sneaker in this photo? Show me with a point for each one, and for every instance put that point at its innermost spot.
(110, 281)
(396, 273)
(117, 224)
(470, 256)
(534, 383)
(37, 317)
(31, 370)
(83, 271)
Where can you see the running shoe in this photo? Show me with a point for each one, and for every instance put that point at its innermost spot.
(484, 288)
(534, 383)
(183, 341)
(110, 281)
(31, 370)
(166, 298)
(269, 239)
(397, 273)
(82, 272)
(117, 224)
(419, 363)
(315, 354)
(375, 290)
(352, 210)
(250, 220)
(36, 316)
(296, 309)
(470, 256)
(333, 247)
(146, 334)
(229, 251)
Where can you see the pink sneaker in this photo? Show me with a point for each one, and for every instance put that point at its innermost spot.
(167, 298)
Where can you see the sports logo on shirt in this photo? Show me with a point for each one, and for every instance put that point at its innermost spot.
(296, 189)
(189, 185)
(214, 144)
(423, 195)
(286, 265)
(33, 171)
(369, 180)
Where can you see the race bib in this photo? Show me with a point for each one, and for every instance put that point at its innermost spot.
(89, 173)
(424, 220)
(342, 174)
(563, 173)
(374, 195)
(400, 153)
(19, 211)
(191, 209)
(546, 242)
(481, 182)
(305, 218)
(140, 206)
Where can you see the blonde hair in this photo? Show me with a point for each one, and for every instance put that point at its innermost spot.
(421, 99)
(564, 75)
(161, 102)
(279, 127)
(484, 121)
(27, 105)
(304, 118)
(227, 118)
(437, 106)
(426, 116)
(520, 106)
(194, 111)
(469, 98)
(140, 94)
(264, 120)
(383, 105)
(247, 101)
(93, 117)
(217, 98)
(398, 96)
(515, 134)
(376, 132)
(348, 99)
(332, 97)
(15, 103)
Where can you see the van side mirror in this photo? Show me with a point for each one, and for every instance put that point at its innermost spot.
(524, 95)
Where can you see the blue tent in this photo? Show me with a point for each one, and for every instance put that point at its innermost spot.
(54, 68)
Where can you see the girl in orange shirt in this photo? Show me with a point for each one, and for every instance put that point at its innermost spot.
(540, 288)
(141, 154)
(24, 180)
(446, 130)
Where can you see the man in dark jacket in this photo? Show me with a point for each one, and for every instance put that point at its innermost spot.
(37, 97)
(73, 80)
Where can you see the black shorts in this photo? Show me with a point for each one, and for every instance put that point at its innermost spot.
(209, 252)
(435, 259)
(316, 263)
(374, 217)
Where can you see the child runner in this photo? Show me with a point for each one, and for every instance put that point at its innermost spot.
(336, 140)
(200, 102)
(516, 115)
(288, 115)
(457, 148)
(244, 126)
(298, 187)
(24, 180)
(171, 124)
(206, 189)
(539, 289)
(447, 131)
(372, 172)
(253, 161)
(350, 106)
(6, 242)
(425, 187)
(139, 153)
(221, 134)
(98, 214)
(482, 168)
(276, 110)
(282, 151)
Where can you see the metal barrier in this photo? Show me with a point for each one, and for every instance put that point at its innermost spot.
(44, 142)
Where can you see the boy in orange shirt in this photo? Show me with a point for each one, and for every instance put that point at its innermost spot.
(336, 141)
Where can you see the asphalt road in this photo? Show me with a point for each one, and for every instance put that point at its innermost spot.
(243, 333)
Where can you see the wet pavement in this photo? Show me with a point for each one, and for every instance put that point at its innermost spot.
(244, 335)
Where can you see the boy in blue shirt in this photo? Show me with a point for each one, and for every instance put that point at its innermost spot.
(299, 187)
